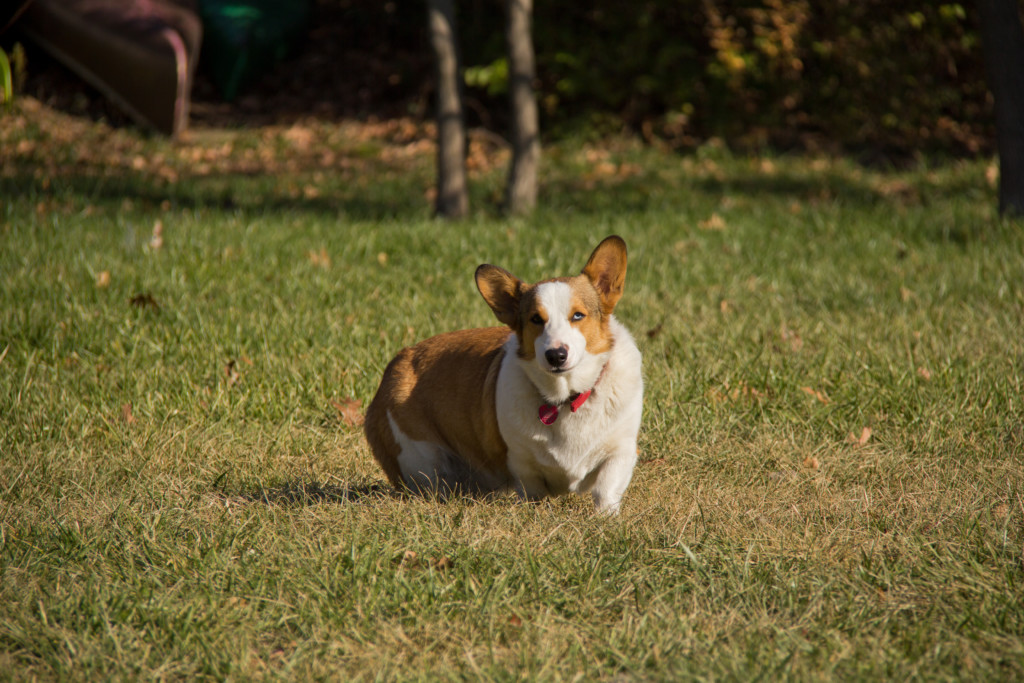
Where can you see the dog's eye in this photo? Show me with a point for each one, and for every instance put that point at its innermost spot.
(536, 319)
(577, 316)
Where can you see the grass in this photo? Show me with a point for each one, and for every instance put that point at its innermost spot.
(831, 481)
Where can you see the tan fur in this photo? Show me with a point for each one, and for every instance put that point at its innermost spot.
(441, 390)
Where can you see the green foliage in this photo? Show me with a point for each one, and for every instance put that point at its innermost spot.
(493, 77)
(896, 76)
(6, 80)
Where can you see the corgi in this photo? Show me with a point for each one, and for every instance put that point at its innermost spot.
(548, 404)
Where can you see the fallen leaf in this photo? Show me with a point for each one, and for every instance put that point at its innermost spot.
(515, 621)
(724, 306)
(992, 175)
(811, 463)
(320, 259)
(351, 411)
(442, 563)
(713, 222)
(628, 170)
(792, 337)
(230, 373)
(655, 331)
(144, 300)
(924, 373)
(126, 414)
(103, 279)
(382, 258)
(300, 137)
(859, 441)
(156, 241)
(816, 394)
(410, 558)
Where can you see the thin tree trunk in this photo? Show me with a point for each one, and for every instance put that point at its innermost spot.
(452, 192)
(1003, 43)
(521, 196)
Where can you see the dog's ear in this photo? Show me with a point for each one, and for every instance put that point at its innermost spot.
(501, 290)
(606, 270)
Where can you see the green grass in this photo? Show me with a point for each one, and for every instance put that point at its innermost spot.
(180, 498)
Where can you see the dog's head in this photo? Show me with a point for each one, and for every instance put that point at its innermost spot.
(561, 322)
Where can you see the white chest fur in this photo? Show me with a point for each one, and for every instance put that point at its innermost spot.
(592, 449)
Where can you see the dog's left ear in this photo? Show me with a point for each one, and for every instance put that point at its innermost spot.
(606, 270)
(501, 290)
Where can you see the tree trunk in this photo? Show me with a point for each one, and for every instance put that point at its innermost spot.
(1003, 44)
(521, 194)
(452, 192)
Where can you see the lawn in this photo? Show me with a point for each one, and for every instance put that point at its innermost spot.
(831, 478)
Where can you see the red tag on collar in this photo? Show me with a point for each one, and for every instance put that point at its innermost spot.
(549, 413)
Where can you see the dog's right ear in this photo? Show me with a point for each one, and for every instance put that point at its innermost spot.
(501, 290)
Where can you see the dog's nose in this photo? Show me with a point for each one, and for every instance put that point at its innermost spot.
(556, 357)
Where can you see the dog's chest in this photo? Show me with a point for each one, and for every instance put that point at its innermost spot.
(570, 452)
(565, 452)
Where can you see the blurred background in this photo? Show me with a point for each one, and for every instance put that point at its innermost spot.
(884, 81)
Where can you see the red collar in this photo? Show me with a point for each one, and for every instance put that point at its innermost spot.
(548, 413)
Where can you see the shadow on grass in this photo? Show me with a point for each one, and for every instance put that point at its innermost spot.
(792, 189)
(398, 195)
(640, 193)
(387, 201)
(300, 493)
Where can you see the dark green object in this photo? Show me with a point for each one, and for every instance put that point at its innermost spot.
(243, 39)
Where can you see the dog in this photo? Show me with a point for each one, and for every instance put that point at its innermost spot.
(548, 404)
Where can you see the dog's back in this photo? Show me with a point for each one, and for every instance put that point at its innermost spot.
(432, 423)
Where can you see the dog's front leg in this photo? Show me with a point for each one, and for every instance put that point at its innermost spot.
(530, 484)
(613, 478)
